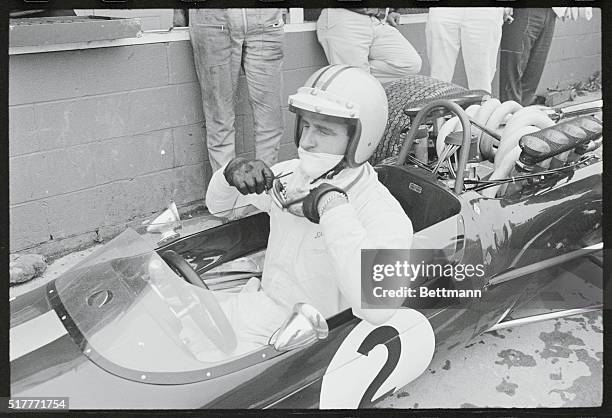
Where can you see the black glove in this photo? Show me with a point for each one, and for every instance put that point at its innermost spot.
(248, 176)
(310, 206)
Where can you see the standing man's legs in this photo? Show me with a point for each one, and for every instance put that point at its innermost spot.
(537, 59)
(346, 37)
(391, 55)
(363, 41)
(481, 31)
(443, 41)
(514, 53)
(518, 39)
(217, 57)
(262, 62)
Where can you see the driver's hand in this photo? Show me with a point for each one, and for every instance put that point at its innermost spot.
(393, 19)
(249, 176)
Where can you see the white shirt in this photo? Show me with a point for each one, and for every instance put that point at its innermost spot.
(320, 263)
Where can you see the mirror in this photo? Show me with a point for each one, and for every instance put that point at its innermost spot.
(304, 326)
(166, 224)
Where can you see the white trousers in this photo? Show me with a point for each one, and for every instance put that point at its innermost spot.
(366, 42)
(253, 315)
(474, 30)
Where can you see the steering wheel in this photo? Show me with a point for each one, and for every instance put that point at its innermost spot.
(183, 268)
(465, 143)
(211, 320)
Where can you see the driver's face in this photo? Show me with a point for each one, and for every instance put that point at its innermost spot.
(323, 135)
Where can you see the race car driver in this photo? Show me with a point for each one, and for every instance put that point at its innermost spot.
(329, 204)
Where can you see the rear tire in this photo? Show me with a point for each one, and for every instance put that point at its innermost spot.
(402, 94)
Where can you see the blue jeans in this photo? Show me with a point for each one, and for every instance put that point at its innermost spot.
(223, 41)
(524, 48)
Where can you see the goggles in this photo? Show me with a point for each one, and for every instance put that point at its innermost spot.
(278, 193)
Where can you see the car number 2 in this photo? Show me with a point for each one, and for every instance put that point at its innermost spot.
(382, 335)
(374, 361)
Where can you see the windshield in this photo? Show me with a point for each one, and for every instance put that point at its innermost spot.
(134, 311)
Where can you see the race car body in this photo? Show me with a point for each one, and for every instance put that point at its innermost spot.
(130, 327)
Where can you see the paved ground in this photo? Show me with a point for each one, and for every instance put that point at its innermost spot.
(553, 363)
(556, 363)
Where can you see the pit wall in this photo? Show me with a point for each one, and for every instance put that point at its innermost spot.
(102, 137)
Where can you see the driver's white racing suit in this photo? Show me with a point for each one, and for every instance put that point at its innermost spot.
(319, 264)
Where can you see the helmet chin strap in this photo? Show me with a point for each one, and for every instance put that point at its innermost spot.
(332, 172)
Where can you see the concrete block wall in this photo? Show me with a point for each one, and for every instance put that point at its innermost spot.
(101, 138)
(575, 53)
(151, 19)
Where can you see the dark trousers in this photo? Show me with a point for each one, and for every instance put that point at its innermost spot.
(524, 48)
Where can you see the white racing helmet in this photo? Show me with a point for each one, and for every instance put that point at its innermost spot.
(351, 95)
